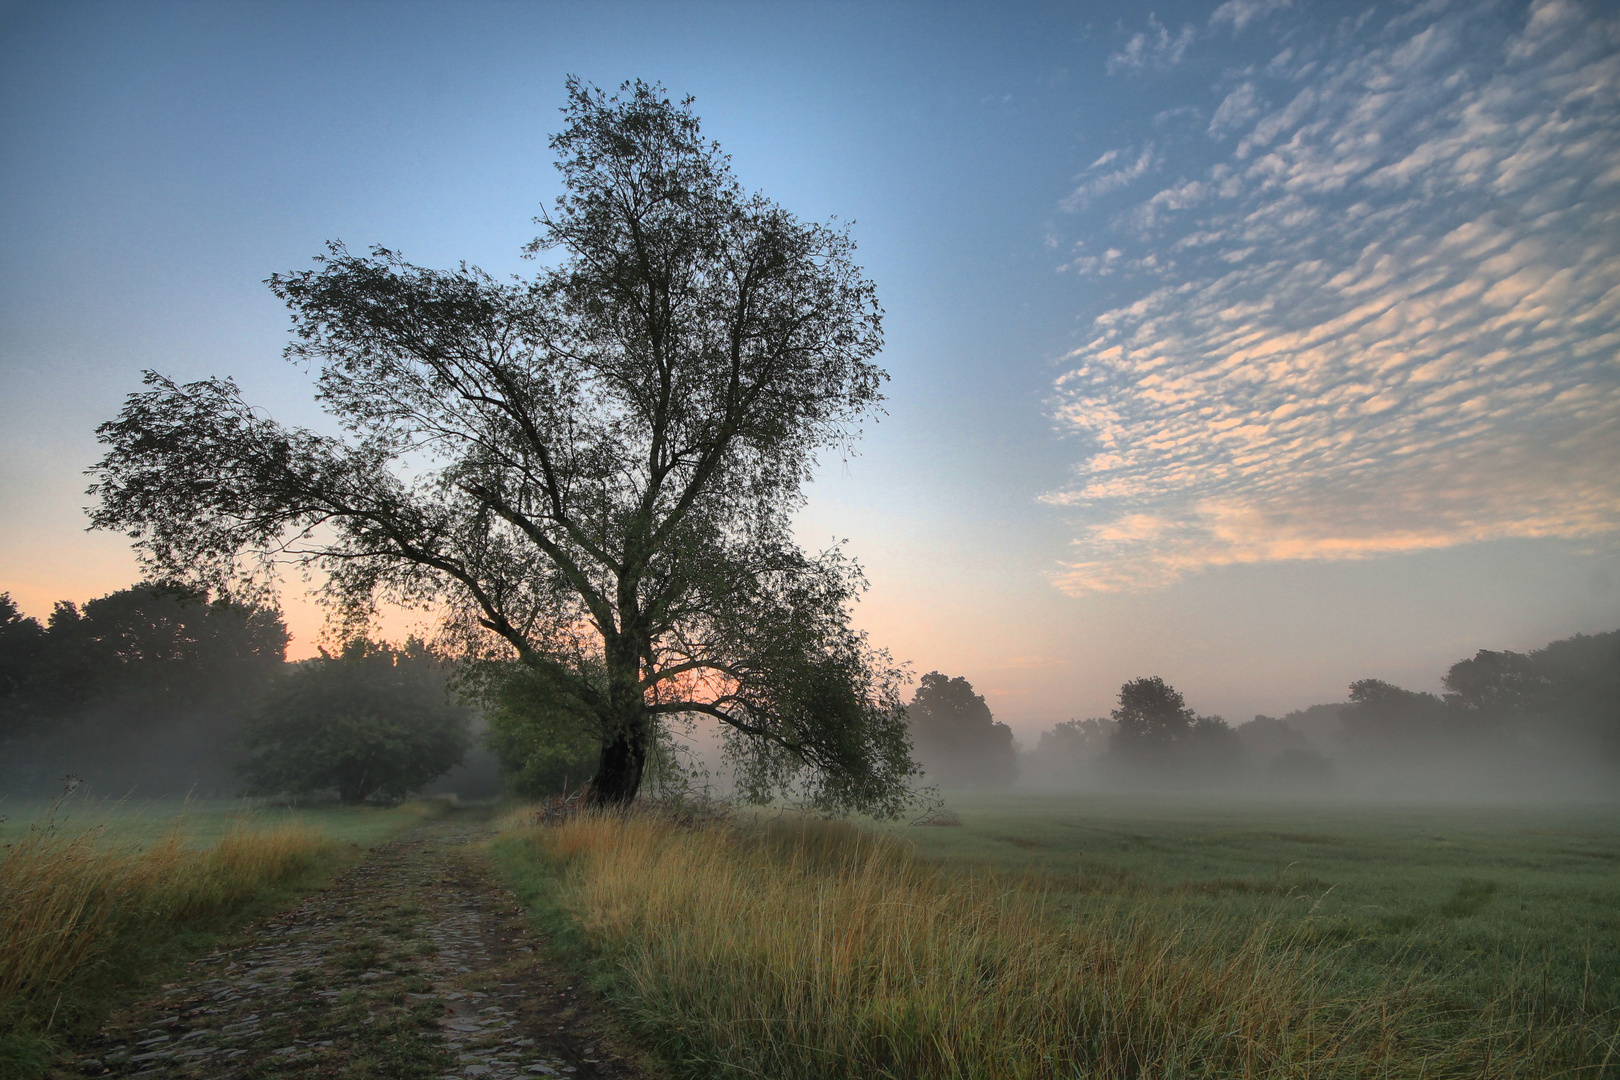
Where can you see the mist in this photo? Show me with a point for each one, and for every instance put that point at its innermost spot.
(1510, 727)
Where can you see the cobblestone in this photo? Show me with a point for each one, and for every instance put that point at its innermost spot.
(412, 965)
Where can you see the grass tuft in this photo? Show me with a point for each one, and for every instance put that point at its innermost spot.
(81, 911)
(806, 949)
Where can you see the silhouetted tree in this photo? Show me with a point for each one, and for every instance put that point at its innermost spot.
(163, 646)
(1571, 688)
(144, 686)
(1069, 753)
(22, 647)
(1382, 717)
(1076, 740)
(958, 741)
(1151, 717)
(373, 720)
(598, 467)
(1213, 749)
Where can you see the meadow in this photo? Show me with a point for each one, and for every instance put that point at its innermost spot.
(98, 900)
(1473, 896)
(1102, 937)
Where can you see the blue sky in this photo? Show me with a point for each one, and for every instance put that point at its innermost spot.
(1258, 346)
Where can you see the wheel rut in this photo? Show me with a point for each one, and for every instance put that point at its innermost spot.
(414, 964)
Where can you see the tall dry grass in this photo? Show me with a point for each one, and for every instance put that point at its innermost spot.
(815, 950)
(78, 906)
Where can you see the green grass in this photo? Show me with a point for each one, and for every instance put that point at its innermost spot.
(98, 902)
(1479, 898)
(204, 821)
(1051, 937)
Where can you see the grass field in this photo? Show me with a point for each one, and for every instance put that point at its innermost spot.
(1474, 896)
(1104, 937)
(203, 821)
(98, 900)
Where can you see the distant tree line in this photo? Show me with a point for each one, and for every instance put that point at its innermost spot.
(954, 737)
(146, 687)
(160, 689)
(1551, 715)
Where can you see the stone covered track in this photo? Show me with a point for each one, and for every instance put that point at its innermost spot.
(412, 964)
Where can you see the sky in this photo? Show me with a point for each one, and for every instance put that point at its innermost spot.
(1259, 346)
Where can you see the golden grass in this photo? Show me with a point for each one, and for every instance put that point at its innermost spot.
(73, 902)
(814, 950)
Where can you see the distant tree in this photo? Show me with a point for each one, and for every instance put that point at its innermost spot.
(139, 689)
(1076, 740)
(161, 647)
(1212, 749)
(1151, 718)
(598, 468)
(1583, 677)
(22, 646)
(958, 741)
(1381, 716)
(1068, 753)
(370, 721)
(1571, 686)
(1268, 736)
(1496, 684)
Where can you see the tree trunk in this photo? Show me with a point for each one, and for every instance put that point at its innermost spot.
(629, 729)
(618, 771)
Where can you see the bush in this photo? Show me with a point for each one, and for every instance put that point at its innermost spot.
(372, 721)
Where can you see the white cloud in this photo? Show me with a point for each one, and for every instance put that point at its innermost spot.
(1094, 183)
(1240, 13)
(1392, 322)
(1154, 47)
(1236, 109)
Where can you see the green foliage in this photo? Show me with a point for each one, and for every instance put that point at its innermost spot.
(544, 746)
(371, 721)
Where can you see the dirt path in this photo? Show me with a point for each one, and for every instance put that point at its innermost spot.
(413, 964)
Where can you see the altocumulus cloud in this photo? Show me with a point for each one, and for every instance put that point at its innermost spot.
(1385, 319)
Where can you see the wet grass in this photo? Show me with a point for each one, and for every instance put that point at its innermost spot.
(1482, 901)
(1118, 939)
(97, 902)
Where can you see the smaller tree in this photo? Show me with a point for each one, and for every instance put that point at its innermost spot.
(1383, 718)
(1069, 753)
(957, 740)
(371, 721)
(1152, 717)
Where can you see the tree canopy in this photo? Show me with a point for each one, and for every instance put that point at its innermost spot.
(959, 742)
(141, 687)
(372, 720)
(1151, 716)
(595, 467)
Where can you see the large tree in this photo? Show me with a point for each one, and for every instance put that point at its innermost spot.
(596, 466)
(1152, 718)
